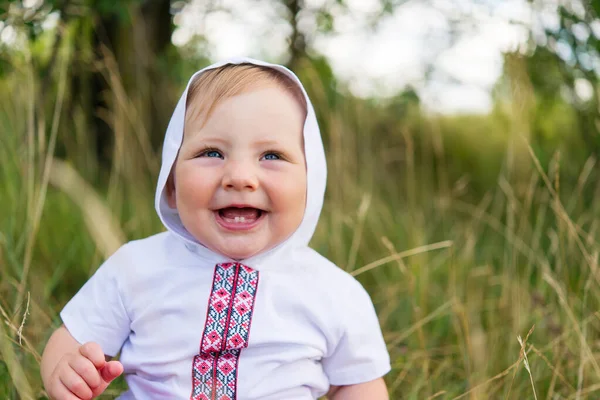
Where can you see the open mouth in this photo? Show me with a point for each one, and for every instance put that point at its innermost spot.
(239, 217)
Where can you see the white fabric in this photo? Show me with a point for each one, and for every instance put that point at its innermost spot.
(313, 324)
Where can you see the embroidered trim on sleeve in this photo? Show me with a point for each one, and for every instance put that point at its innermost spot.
(226, 332)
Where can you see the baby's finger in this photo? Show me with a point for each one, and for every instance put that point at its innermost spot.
(75, 384)
(60, 392)
(93, 352)
(86, 369)
(111, 370)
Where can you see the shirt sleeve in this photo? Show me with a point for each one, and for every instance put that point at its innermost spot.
(97, 312)
(360, 354)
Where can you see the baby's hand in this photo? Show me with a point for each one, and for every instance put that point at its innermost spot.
(83, 375)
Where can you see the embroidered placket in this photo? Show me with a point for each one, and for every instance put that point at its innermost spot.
(226, 332)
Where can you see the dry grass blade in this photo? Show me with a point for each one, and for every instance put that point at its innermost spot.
(555, 371)
(39, 206)
(439, 311)
(438, 394)
(125, 103)
(583, 338)
(526, 361)
(15, 369)
(102, 225)
(492, 379)
(585, 173)
(571, 315)
(25, 313)
(360, 222)
(574, 229)
(403, 254)
(28, 345)
(522, 353)
(586, 391)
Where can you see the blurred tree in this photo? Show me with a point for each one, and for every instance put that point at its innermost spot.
(323, 18)
(565, 66)
(123, 53)
(129, 39)
(137, 33)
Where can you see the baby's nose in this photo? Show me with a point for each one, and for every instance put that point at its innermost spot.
(240, 176)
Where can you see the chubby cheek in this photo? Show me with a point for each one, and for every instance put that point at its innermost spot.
(289, 201)
(192, 189)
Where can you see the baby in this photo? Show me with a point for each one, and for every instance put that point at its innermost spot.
(230, 302)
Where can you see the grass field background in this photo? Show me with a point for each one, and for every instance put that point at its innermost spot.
(479, 247)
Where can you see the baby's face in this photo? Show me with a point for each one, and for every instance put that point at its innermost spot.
(240, 178)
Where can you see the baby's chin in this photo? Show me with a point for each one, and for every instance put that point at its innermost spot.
(240, 251)
(237, 255)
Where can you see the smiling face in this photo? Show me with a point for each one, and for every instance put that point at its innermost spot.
(239, 183)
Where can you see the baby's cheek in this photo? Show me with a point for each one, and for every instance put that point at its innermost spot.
(295, 201)
(194, 180)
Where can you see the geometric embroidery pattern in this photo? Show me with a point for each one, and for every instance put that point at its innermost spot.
(226, 332)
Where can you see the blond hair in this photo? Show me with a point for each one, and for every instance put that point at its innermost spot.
(216, 85)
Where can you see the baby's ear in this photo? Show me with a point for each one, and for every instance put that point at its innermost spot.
(170, 189)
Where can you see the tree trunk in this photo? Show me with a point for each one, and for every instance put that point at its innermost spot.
(137, 42)
(297, 41)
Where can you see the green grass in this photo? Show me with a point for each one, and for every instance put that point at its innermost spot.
(457, 270)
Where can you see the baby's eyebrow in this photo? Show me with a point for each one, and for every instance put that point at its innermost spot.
(267, 142)
(211, 140)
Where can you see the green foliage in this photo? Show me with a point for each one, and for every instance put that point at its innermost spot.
(570, 54)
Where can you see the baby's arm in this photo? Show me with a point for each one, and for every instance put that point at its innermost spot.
(373, 390)
(71, 371)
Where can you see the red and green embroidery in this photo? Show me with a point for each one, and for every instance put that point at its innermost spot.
(226, 332)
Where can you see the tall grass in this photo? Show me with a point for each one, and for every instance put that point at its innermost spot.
(482, 294)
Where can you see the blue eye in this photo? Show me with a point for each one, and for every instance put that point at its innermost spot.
(210, 153)
(272, 156)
